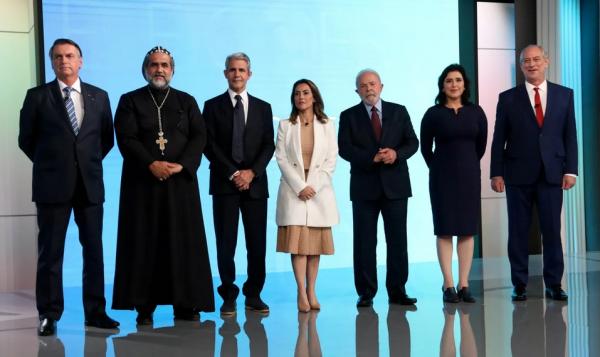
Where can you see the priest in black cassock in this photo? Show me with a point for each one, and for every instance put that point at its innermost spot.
(162, 257)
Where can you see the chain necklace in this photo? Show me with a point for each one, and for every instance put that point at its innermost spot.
(161, 141)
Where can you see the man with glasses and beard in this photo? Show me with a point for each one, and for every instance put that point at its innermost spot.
(162, 257)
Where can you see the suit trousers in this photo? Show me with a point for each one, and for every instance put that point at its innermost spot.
(520, 199)
(226, 212)
(53, 220)
(365, 215)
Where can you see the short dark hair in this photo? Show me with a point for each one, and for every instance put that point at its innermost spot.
(318, 105)
(64, 41)
(441, 96)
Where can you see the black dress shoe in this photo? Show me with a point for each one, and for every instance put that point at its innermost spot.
(228, 308)
(402, 300)
(364, 301)
(186, 314)
(256, 304)
(450, 295)
(519, 293)
(101, 321)
(465, 295)
(47, 327)
(556, 293)
(144, 318)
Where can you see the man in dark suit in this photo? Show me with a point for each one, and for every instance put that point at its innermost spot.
(534, 155)
(377, 138)
(66, 130)
(240, 145)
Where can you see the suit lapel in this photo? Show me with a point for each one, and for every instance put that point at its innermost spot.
(524, 101)
(364, 121)
(88, 103)
(319, 140)
(59, 103)
(550, 101)
(386, 121)
(294, 132)
(253, 123)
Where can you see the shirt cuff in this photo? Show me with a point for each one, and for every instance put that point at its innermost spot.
(572, 175)
(234, 175)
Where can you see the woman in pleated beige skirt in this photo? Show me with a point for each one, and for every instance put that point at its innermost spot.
(306, 153)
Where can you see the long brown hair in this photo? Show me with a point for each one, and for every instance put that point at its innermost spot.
(318, 105)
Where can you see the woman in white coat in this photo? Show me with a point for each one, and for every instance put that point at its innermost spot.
(306, 153)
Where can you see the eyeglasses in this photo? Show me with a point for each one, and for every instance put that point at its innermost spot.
(534, 60)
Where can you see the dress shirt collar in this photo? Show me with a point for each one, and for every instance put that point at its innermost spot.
(543, 86)
(76, 86)
(377, 105)
(244, 96)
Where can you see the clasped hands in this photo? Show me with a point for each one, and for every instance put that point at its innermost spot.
(385, 155)
(162, 170)
(242, 179)
(307, 193)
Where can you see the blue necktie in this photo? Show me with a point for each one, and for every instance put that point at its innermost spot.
(70, 106)
(237, 140)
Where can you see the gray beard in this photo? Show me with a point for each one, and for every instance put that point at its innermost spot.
(157, 84)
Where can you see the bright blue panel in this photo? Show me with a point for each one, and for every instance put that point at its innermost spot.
(408, 42)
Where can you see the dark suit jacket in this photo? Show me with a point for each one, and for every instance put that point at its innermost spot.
(47, 138)
(521, 150)
(258, 144)
(357, 144)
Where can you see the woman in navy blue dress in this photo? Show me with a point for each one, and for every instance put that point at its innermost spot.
(458, 128)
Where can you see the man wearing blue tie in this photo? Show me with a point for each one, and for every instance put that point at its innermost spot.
(66, 130)
(534, 157)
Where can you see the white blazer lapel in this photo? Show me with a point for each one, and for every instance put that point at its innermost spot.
(297, 145)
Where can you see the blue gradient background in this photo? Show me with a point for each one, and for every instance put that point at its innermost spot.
(407, 42)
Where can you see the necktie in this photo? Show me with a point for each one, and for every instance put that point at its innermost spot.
(539, 113)
(237, 142)
(70, 106)
(376, 123)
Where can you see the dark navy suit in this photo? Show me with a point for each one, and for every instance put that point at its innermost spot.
(532, 161)
(67, 176)
(378, 188)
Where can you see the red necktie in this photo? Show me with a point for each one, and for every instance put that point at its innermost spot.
(376, 123)
(539, 113)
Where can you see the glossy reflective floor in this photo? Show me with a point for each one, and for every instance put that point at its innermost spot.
(494, 326)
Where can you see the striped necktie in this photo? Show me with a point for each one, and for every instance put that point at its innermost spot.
(70, 106)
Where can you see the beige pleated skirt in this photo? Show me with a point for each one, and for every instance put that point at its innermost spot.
(304, 240)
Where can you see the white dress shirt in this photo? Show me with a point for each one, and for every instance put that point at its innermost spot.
(543, 90)
(76, 97)
(244, 96)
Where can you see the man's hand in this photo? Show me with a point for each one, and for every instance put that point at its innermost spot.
(307, 193)
(388, 156)
(160, 170)
(377, 159)
(497, 184)
(243, 179)
(568, 181)
(174, 168)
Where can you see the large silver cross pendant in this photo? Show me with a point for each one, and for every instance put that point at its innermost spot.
(161, 141)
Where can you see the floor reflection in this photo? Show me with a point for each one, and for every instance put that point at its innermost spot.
(50, 347)
(184, 338)
(367, 332)
(493, 326)
(539, 328)
(467, 345)
(308, 344)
